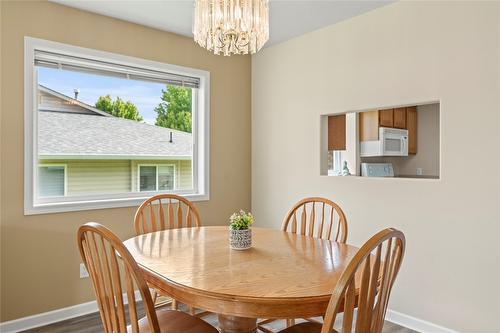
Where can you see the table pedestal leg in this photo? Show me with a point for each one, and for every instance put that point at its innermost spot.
(233, 324)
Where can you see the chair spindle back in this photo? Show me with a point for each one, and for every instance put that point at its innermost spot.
(165, 211)
(317, 217)
(114, 273)
(366, 283)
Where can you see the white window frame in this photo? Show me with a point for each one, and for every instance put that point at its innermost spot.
(337, 157)
(157, 166)
(201, 132)
(337, 163)
(65, 166)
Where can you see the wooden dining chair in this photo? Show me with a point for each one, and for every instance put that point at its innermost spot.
(161, 212)
(115, 276)
(365, 284)
(165, 211)
(315, 217)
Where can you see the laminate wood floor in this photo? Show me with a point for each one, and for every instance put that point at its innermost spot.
(92, 324)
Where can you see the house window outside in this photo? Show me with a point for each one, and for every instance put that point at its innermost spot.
(101, 115)
(334, 162)
(156, 177)
(51, 180)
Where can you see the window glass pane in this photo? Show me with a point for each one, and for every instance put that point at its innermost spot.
(50, 181)
(334, 162)
(337, 161)
(147, 178)
(166, 176)
(104, 127)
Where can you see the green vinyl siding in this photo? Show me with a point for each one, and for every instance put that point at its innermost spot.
(91, 177)
(87, 177)
(185, 175)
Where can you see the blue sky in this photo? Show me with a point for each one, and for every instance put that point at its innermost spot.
(145, 95)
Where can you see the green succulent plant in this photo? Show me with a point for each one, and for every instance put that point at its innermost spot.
(240, 221)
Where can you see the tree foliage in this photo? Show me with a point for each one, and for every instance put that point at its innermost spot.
(174, 111)
(118, 108)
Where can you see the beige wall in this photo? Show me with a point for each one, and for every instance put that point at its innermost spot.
(404, 53)
(39, 256)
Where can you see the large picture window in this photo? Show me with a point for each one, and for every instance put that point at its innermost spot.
(102, 129)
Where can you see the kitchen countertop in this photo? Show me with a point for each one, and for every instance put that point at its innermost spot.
(417, 176)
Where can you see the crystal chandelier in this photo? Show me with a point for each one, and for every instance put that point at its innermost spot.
(231, 26)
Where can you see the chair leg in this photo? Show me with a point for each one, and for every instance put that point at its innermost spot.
(154, 295)
(174, 304)
(290, 322)
(203, 314)
(265, 330)
(191, 310)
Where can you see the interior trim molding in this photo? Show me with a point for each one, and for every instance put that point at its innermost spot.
(54, 316)
(50, 317)
(415, 324)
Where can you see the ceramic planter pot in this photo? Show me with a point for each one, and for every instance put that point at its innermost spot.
(240, 239)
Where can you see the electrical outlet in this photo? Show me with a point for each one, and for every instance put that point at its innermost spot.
(83, 272)
(420, 172)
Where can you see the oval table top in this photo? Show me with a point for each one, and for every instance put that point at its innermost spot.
(283, 275)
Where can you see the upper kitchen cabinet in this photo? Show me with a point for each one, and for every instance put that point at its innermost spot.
(336, 132)
(411, 125)
(368, 125)
(401, 118)
(386, 118)
(339, 144)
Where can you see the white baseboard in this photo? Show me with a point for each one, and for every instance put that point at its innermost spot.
(415, 324)
(54, 316)
(78, 310)
(47, 318)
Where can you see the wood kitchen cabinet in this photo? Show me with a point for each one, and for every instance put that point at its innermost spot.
(386, 118)
(411, 126)
(400, 118)
(403, 118)
(368, 126)
(336, 132)
(371, 121)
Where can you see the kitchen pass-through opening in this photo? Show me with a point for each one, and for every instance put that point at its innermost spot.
(399, 142)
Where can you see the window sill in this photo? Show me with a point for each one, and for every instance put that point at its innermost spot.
(73, 206)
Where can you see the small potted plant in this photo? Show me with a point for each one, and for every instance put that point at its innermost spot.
(240, 234)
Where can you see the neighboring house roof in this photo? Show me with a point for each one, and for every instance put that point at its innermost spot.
(72, 101)
(67, 135)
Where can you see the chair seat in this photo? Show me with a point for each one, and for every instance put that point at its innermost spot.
(306, 327)
(172, 321)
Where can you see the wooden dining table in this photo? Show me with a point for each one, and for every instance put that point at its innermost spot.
(283, 275)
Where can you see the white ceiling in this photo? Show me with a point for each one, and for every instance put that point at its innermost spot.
(288, 19)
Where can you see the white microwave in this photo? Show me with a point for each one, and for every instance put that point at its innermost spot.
(391, 142)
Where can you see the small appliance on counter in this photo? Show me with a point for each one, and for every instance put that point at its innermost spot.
(377, 170)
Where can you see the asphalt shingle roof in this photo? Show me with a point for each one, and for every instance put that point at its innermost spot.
(71, 134)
